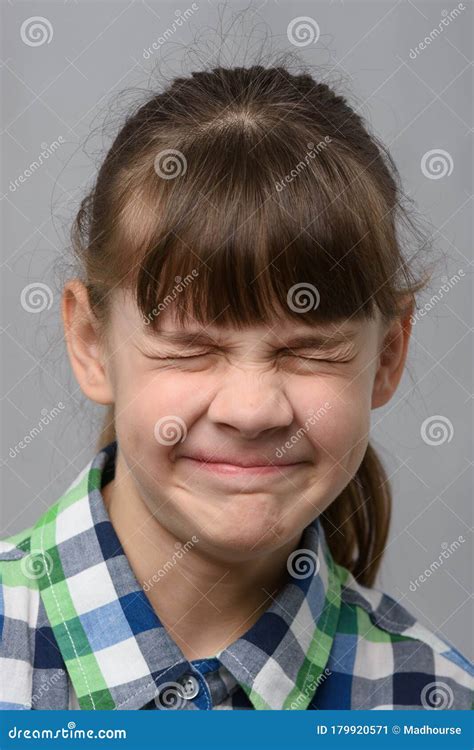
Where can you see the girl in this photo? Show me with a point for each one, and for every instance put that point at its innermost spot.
(244, 303)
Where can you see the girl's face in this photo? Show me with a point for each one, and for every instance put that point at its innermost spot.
(238, 397)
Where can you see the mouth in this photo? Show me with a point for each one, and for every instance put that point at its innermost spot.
(234, 469)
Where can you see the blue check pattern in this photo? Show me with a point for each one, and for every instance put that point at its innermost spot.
(78, 631)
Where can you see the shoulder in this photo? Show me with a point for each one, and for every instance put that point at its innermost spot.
(29, 652)
(417, 659)
(17, 583)
(22, 565)
(27, 558)
(19, 606)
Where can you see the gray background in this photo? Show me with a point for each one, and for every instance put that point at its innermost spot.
(66, 91)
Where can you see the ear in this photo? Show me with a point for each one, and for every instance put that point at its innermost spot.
(393, 354)
(83, 343)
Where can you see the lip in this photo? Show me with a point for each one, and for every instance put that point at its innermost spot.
(230, 469)
(235, 460)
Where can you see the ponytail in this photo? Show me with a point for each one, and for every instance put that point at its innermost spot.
(356, 524)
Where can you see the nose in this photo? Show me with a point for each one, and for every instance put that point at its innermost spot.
(251, 402)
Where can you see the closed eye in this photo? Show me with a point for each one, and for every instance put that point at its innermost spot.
(164, 359)
(314, 359)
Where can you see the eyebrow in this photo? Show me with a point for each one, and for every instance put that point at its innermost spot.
(201, 338)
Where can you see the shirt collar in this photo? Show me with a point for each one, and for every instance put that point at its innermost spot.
(116, 650)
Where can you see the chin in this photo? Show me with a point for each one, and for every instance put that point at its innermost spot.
(248, 527)
(240, 541)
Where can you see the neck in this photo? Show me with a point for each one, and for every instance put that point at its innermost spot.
(205, 604)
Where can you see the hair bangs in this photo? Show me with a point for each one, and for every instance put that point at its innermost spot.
(228, 243)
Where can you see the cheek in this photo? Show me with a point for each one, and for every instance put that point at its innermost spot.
(155, 410)
(340, 421)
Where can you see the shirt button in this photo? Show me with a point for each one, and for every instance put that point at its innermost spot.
(190, 686)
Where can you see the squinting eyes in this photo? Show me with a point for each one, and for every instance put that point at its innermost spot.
(283, 355)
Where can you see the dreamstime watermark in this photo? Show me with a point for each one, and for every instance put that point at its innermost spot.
(447, 18)
(177, 289)
(36, 30)
(302, 31)
(437, 430)
(437, 695)
(181, 550)
(180, 19)
(448, 550)
(436, 164)
(36, 297)
(170, 430)
(47, 150)
(303, 297)
(446, 286)
(47, 682)
(313, 151)
(170, 696)
(69, 732)
(36, 564)
(312, 419)
(46, 419)
(170, 163)
(303, 563)
(310, 688)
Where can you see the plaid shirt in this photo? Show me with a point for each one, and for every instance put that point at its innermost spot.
(78, 631)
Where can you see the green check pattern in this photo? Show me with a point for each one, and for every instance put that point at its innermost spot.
(78, 631)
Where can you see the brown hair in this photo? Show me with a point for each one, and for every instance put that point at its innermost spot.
(235, 189)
